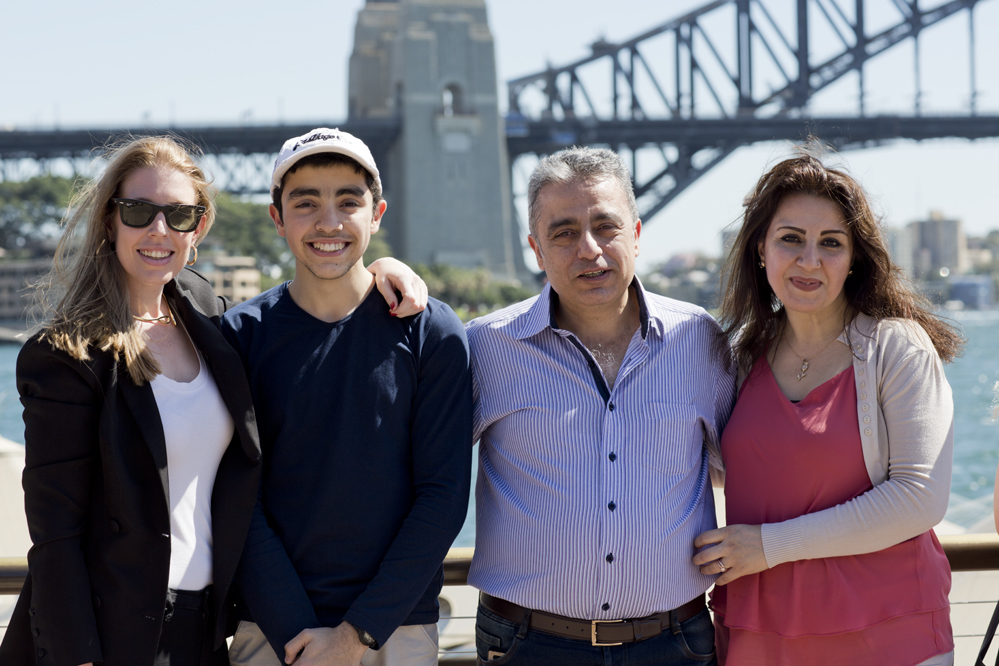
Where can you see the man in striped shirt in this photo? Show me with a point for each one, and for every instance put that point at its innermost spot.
(595, 406)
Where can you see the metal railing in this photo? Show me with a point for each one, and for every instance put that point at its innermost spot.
(965, 552)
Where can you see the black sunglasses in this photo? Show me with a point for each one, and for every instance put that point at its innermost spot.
(179, 217)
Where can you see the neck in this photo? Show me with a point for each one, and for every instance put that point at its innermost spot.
(601, 323)
(818, 328)
(331, 300)
(147, 303)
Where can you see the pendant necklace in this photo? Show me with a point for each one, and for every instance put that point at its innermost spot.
(163, 319)
(804, 361)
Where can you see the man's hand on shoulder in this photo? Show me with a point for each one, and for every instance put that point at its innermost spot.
(324, 646)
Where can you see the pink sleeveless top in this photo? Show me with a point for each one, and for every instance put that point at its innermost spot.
(784, 460)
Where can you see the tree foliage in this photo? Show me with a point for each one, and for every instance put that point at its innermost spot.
(470, 293)
(245, 228)
(30, 212)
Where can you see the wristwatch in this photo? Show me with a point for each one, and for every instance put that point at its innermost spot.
(367, 640)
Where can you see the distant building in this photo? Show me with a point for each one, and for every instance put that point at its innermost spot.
(16, 277)
(900, 245)
(939, 247)
(235, 278)
(975, 291)
(728, 238)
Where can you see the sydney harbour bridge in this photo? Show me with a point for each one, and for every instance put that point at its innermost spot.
(676, 100)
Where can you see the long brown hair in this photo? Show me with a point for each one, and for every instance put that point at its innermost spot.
(85, 295)
(750, 312)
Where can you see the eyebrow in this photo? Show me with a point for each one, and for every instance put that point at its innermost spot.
(299, 192)
(351, 190)
(566, 222)
(303, 192)
(804, 233)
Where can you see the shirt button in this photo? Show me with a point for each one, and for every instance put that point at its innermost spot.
(115, 527)
(863, 384)
(605, 607)
(861, 373)
(612, 506)
(863, 396)
(610, 557)
(38, 632)
(611, 406)
(867, 419)
(612, 457)
(41, 652)
(866, 407)
(867, 431)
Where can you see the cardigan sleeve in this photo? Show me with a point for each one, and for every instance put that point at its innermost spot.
(918, 410)
(62, 404)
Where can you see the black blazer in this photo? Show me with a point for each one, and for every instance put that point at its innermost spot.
(96, 497)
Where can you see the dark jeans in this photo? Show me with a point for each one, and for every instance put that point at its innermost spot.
(688, 643)
(186, 636)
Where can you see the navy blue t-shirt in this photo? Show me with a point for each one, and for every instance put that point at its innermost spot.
(366, 428)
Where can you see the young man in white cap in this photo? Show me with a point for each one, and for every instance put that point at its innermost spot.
(364, 419)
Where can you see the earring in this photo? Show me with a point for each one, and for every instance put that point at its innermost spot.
(193, 259)
(851, 272)
(762, 264)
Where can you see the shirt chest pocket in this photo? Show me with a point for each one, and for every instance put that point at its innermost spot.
(669, 441)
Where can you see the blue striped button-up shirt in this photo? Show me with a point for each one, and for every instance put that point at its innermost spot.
(588, 499)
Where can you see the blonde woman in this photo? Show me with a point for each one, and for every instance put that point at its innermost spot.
(141, 451)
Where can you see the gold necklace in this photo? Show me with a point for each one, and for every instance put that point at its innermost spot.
(804, 361)
(163, 319)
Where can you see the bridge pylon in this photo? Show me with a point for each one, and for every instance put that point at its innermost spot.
(431, 65)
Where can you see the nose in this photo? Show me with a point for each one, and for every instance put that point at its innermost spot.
(159, 226)
(588, 247)
(328, 220)
(809, 256)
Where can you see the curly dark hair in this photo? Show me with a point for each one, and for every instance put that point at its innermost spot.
(751, 313)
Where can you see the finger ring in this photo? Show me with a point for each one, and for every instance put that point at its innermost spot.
(722, 567)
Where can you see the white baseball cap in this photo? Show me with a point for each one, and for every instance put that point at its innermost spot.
(322, 140)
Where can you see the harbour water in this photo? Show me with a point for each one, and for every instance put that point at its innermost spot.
(976, 435)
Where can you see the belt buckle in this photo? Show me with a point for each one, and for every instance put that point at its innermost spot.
(593, 632)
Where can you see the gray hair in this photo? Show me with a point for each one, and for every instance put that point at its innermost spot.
(580, 163)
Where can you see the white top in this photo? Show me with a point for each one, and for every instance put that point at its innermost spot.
(197, 428)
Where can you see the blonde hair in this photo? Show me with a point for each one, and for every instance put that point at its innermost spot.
(84, 296)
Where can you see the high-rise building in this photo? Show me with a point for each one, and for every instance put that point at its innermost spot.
(940, 248)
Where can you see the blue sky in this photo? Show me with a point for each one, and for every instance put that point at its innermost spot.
(113, 63)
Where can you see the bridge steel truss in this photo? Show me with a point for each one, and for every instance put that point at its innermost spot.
(727, 75)
(239, 158)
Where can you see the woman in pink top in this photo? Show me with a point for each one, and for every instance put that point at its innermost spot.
(837, 456)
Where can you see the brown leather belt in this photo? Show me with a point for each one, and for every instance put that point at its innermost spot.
(600, 633)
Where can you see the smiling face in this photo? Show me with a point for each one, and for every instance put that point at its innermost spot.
(808, 251)
(586, 242)
(155, 254)
(327, 218)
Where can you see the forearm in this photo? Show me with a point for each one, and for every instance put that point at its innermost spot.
(411, 563)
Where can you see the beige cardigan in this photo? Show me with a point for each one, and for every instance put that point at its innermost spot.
(906, 416)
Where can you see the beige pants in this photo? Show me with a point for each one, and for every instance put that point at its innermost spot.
(412, 645)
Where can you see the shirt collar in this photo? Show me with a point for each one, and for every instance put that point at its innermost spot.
(541, 315)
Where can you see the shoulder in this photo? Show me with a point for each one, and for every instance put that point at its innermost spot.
(436, 327)
(681, 316)
(503, 323)
(200, 290)
(42, 365)
(893, 338)
(252, 310)
(440, 316)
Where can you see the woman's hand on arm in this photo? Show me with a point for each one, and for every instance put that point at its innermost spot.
(738, 547)
(391, 275)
